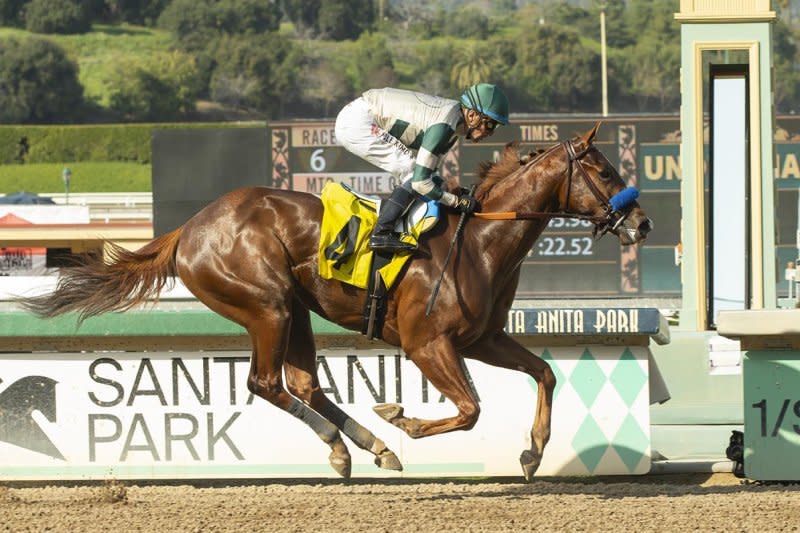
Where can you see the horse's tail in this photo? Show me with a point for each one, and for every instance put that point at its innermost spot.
(127, 279)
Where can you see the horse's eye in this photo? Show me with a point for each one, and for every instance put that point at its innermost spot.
(605, 173)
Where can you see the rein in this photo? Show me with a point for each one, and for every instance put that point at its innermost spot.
(514, 215)
(606, 221)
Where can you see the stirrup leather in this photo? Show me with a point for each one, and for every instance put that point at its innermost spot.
(389, 241)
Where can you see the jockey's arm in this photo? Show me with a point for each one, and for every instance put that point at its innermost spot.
(436, 141)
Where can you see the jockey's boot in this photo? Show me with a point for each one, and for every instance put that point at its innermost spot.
(384, 238)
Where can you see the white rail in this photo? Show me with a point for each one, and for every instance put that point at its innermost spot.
(108, 207)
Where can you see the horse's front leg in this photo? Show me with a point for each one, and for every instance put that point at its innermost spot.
(501, 350)
(444, 369)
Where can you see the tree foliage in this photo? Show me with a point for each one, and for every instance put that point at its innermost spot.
(191, 22)
(345, 19)
(303, 13)
(257, 72)
(195, 23)
(652, 65)
(433, 66)
(467, 22)
(57, 16)
(553, 72)
(787, 77)
(12, 12)
(144, 12)
(545, 54)
(325, 85)
(620, 32)
(162, 87)
(470, 66)
(38, 83)
(332, 19)
(372, 63)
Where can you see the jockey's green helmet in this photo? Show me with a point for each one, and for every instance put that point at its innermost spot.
(487, 99)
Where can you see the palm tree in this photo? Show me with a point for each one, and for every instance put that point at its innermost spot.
(470, 67)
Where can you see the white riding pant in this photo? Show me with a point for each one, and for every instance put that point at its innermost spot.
(357, 131)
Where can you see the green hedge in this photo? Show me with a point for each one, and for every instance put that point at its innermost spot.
(103, 176)
(68, 144)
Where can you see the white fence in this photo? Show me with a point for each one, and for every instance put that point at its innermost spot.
(106, 207)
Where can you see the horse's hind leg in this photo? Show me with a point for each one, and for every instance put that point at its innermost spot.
(503, 351)
(241, 270)
(269, 329)
(302, 381)
(271, 336)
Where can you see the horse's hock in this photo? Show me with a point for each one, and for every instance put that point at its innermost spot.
(129, 407)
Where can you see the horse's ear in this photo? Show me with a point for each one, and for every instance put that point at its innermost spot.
(588, 137)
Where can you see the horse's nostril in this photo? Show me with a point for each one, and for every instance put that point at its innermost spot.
(646, 226)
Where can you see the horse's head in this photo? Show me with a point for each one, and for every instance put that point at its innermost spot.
(594, 189)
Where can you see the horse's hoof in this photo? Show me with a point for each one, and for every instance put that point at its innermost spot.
(530, 464)
(389, 411)
(341, 463)
(388, 461)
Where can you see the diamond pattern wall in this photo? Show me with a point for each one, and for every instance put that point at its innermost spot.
(588, 378)
(629, 443)
(628, 377)
(602, 389)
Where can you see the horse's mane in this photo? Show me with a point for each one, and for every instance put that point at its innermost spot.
(491, 172)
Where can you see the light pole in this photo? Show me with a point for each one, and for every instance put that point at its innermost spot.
(603, 72)
(66, 175)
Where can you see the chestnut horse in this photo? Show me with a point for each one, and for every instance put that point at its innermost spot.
(251, 256)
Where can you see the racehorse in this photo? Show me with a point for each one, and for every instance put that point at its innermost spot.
(252, 256)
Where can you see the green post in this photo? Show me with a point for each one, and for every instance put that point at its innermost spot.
(709, 27)
(66, 175)
(770, 340)
(772, 414)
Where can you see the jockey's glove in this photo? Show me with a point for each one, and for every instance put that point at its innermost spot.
(449, 199)
(467, 204)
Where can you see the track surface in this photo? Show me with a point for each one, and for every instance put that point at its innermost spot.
(695, 502)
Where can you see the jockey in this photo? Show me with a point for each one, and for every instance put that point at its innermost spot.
(407, 134)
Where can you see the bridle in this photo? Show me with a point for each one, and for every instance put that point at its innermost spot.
(614, 212)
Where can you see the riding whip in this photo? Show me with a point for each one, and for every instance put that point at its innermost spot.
(459, 228)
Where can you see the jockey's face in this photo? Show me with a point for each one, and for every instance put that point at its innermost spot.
(477, 125)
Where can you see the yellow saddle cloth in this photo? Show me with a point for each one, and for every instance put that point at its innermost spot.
(347, 223)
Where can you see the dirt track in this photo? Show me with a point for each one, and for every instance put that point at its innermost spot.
(658, 503)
